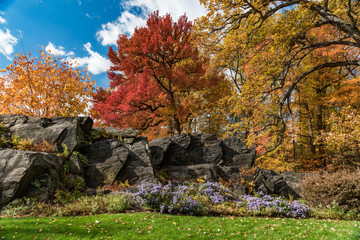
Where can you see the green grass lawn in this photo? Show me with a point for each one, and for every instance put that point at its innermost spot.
(156, 226)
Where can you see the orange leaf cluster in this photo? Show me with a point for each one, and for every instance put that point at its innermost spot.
(44, 86)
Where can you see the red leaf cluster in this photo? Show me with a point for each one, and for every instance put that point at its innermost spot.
(154, 71)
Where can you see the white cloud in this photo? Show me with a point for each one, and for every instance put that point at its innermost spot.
(7, 42)
(2, 20)
(176, 8)
(59, 51)
(95, 62)
(125, 24)
(127, 21)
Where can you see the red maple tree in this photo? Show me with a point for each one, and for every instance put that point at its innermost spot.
(155, 76)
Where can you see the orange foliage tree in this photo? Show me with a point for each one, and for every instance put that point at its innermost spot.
(44, 86)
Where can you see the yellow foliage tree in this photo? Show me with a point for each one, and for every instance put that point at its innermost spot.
(44, 86)
(293, 64)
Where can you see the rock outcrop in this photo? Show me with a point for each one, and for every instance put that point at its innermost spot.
(138, 166)
(25, 173)
(102, 156)
(69, 131)
(285, 184)
(189, 156)
(106, 158)
(128, 135)
(111, 160)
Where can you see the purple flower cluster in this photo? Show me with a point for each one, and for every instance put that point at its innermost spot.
(189, 205)
(217, 193)
(172, 198)
(167, 198)
(278, 205)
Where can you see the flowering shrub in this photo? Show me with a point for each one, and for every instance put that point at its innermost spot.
(190, 206)
(168, 198)
(276, 205)
(193, 199)
(217, 193)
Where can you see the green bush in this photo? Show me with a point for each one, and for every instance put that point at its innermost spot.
(341, 189)
(95, 205)
(82, 158)
(334, 212)
(86, 205)
(97, 135)
(27, 207)
(3, 129)
(66, 196)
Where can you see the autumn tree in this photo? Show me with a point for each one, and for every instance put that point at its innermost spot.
(44, 86)
(157, 79)
(288, 60)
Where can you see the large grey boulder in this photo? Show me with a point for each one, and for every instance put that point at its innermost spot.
(138, 166)
(110, 160)
(212, 149)
(264, 181)
(185, 151)
(285, 184)
(25, 173)
(158, 148)
(208, 171)
(237, 154)
(179, 153)
(70, 131)
(106, 158)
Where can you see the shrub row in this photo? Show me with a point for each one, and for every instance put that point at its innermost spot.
(85, 205)
(333, 195)
(198, 199)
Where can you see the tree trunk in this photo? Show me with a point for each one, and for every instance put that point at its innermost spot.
(311, 132)
(177, 125)
(320, 127)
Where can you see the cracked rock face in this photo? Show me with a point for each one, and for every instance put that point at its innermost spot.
(106, 159)
(193, 152)
(138, 166)
(124, 156)
(111, 160)
(25, 173)
(70, 131)
(285, 184)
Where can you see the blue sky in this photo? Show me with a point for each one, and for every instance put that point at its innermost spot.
(80, 29)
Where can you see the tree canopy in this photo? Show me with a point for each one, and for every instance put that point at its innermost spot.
(282, 75)
(44, 86)
(293, 64)
(157, 78)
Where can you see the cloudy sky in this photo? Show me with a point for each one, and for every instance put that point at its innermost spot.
(80, 29)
